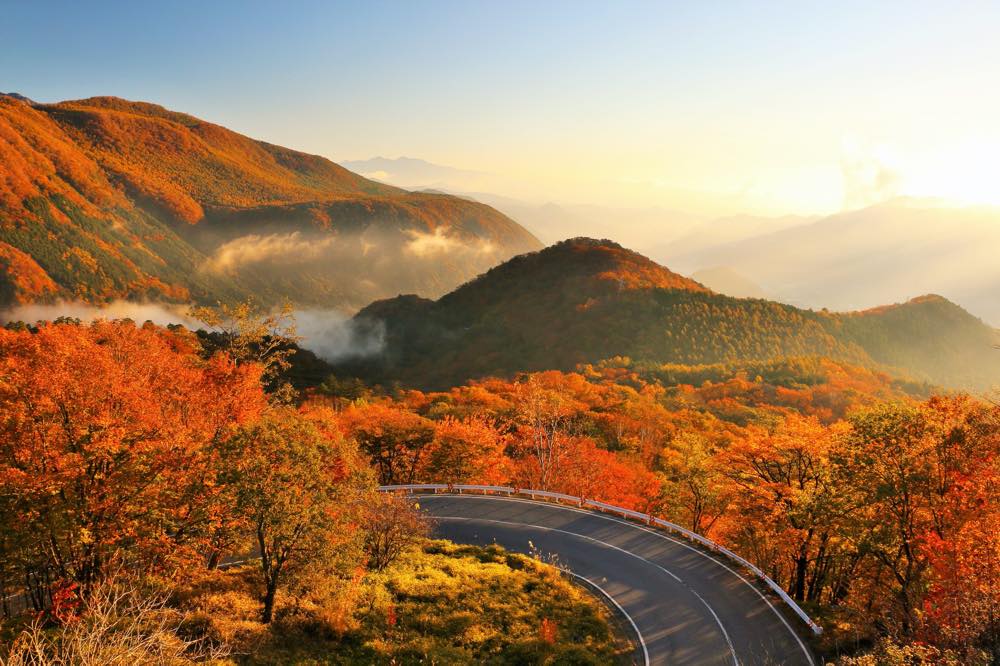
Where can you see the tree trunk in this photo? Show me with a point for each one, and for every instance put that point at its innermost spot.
(268, 615)
(906, 626)
(799, 584)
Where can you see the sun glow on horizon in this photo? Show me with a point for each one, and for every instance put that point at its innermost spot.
(966, 173)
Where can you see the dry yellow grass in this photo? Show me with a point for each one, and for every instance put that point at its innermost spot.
(440, 603)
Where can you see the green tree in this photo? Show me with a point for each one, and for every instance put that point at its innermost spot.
(299, 491)
(251, 334)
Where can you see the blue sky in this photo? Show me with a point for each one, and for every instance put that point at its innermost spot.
(626, 102)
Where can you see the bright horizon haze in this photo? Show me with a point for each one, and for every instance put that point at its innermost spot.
(770, 108)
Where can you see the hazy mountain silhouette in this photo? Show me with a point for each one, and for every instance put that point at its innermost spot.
(880, 254)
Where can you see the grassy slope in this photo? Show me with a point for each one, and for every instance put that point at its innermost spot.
(440, 603)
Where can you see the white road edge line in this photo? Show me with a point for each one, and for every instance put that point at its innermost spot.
(725, 634)
(642, 642)
(660, 534)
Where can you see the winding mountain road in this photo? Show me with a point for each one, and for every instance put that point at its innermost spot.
(687, 606)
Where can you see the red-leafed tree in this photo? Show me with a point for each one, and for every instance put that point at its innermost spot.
(920, 473)
(469, 450)
(395, 439)
(106, 446)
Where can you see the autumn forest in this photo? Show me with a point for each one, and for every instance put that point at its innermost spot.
(559, 334)
(851, 457)
(126, 446)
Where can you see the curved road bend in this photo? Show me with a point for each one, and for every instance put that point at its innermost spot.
(688, 607)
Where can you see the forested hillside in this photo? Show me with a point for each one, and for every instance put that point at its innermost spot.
(583, 300)
(103, 199)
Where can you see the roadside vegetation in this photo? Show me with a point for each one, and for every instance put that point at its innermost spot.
(438, 603)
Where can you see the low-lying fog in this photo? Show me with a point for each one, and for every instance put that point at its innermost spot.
(328, 333)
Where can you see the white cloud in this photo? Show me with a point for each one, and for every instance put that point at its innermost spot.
(870, 173)
(441, 242)
(285, 248)
(333, 336)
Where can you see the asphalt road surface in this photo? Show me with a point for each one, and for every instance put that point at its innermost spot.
(687, 606)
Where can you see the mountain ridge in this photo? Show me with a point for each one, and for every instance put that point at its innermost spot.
(111, 199)
(583, 301)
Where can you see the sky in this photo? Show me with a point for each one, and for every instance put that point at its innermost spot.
(711, 107)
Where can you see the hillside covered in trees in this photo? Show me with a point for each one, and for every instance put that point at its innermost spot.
(105, 199)
(583, 300)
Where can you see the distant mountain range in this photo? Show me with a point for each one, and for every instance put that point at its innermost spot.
(725, 280)
(858, 259)
(583, 300)
(417, 174)
(641, 227)
(884, 253)
(712, 233)
(104, 199)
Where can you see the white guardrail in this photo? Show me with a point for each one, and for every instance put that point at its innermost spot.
(625, 513)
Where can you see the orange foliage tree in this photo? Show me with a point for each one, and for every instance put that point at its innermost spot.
(395, 439)
(106, 452)
(788, 502)
(547, 421)
(962, 607)
(469, 450)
